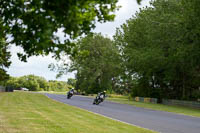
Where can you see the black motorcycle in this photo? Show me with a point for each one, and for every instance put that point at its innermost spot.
(99, 99)
(69, 94)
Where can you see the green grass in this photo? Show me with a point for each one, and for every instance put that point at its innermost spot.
(23, 112)
(175, 109)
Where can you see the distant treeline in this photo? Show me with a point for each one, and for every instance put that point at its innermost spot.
(36, 83)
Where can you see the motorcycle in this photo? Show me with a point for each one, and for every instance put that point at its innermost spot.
(99, 99)
(69, 94)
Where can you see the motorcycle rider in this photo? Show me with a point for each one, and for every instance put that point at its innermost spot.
(71, 92)
(100, 97)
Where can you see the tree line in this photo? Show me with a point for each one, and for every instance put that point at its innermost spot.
(160, 49)
(154, 54)
(36, 83)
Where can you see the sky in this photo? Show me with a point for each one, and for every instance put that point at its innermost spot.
(38, 65)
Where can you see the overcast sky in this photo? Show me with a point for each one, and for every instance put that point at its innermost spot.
(39, 65)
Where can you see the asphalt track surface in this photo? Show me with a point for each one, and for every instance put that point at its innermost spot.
(160, 121)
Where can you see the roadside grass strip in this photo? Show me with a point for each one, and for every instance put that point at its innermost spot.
(23, 112)
(161, 107)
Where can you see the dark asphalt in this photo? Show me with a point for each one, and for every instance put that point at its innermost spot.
(160, 121)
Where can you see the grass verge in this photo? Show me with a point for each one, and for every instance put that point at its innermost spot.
(35, 113)
(161, 107)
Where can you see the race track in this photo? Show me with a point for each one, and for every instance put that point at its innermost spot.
(160, 121)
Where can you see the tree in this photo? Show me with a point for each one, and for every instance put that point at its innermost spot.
(12, 83)
(96, 63)
(71, 82)
(58, 85)
(30, 82)
(43, 84)
(159, 48)
(33, 24)
(4, 55)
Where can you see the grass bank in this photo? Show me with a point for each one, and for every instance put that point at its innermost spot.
(168, 108)
(22, 112)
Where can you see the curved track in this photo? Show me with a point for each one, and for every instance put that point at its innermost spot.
(160, 121)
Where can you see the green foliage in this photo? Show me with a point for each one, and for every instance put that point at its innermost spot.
(139, 1)
(4, 55)
(96, 64)
(33, 24)
(58, 85)
(160, 49)
(71, 82)
(36, 83)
